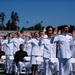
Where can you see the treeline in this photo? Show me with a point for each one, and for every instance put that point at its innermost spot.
(11, 23)
(40, 27)
(35, 27)
(14, 19)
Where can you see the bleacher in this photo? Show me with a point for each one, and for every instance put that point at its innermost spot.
(6, 32)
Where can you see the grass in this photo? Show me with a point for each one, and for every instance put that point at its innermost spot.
(3, 74)
(10, 74)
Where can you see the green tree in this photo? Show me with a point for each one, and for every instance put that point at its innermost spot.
(2, 18)
(35, 27)
(12, 26)
(38, 26)
(12, 23)
(14, 17)
(71, 28)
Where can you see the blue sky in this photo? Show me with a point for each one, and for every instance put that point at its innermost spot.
(51, 12)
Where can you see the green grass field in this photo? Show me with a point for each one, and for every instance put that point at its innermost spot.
(3, 74)
(9, 74)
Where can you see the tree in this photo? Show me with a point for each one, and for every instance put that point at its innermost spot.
(71, 28)
(22, 29)
(11, 26)
(2, 18)
(38, 26)
(35, 27)
(14, 17)
(12, 23)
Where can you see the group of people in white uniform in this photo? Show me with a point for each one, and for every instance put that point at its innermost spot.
(49, 43)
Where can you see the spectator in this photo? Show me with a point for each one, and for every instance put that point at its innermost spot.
(19, 55)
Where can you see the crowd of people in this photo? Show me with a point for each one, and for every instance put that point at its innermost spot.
(48, 43)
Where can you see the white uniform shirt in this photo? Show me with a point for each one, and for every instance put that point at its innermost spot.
(17, 42)
(64, 45)
(72, 47)
(35, 47)
(4, 47)
(49, 49)
(8, 47)
(28, 48)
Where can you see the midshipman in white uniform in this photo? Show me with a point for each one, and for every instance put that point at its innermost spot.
(72, 47)
(8, 50)
(64, 51)
(17, 41)
(49, 51)
(35, 52)
(28, 46)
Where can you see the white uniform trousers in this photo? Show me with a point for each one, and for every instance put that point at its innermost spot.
(50, 68)
(64, 66)
(8, 64)
(23, 66)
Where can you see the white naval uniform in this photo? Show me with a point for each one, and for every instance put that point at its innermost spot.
(72, 47)
(64, 45)
(17, 41)
(49, 48)
(64, 53)
(8, 47)
(35, 50)
(49, 51)
(28, 48)
(3, 45)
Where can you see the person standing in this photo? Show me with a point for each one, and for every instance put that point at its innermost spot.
(64, 51)
(35, 52)
(17, 41)
(72, 47)
(49, 51)
(28, 47)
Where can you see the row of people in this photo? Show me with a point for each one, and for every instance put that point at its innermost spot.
(48, 45)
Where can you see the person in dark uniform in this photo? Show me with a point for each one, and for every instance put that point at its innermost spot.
(1, 52)
(19, 55)
(18, 58)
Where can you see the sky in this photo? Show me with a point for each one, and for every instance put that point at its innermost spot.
(51, 12)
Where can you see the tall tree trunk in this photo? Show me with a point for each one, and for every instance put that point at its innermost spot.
(2, 25)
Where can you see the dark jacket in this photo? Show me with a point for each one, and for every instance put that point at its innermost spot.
(1, 53)
(19, 55)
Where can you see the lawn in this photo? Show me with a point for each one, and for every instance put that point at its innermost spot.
(10, 74)
(3, 74)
